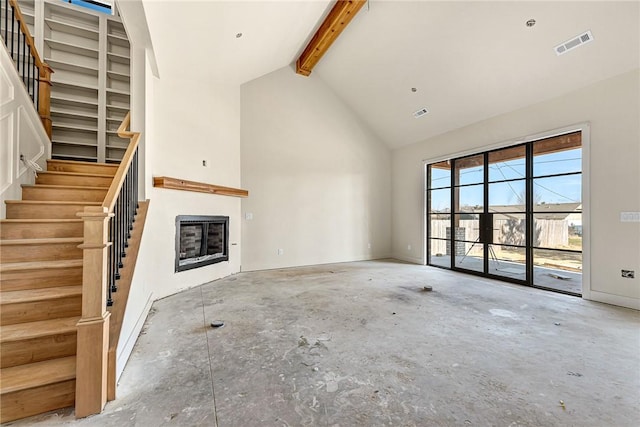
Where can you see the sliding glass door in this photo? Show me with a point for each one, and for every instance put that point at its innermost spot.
(513, 213)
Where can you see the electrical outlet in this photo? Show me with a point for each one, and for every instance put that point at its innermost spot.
(280, 251)
(369, 246)
(408, 247)
(628, 274)
(204, 163)
(248, 216)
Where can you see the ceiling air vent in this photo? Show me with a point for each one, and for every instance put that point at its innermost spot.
(573, 43)
(421, 112)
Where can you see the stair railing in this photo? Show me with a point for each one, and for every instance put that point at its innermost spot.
(35, 73)
(107, 229)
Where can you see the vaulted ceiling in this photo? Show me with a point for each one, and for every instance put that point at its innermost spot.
(467, 60)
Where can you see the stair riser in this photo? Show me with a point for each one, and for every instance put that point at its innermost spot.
(17, 211)
(53, 165)
(37, 400)
(41, 310)
(64, 194)
(89, 181)
(38, 279)
(46, 252)
(40, 230)
(16, 353)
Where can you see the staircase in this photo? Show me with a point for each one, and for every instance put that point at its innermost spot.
(41, 286)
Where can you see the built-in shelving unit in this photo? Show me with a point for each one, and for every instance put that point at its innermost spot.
(89, 53)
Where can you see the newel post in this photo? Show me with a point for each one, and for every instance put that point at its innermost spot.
(44, 98)
(93, 327)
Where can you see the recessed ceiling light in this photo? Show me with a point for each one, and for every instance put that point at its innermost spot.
(531, 23)
(421, 112)
(238, 35)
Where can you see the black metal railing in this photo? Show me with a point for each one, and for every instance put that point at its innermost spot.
(17, 43)
(121, 225)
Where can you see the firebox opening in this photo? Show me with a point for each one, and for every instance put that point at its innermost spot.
(201, 240)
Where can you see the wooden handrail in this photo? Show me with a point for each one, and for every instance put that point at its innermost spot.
(44, 71)
(127, 158)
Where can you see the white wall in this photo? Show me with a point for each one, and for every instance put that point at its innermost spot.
(613, 110)
(186, 121)
(318, 178)
(21, 132)
(190, 121)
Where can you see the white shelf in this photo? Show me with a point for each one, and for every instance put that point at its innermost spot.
(118, 76)
(75, 128)
(86, 48)
(118, 107)
(73, 156)
(60, 65)
(118, 58)
(73, 114)
(118, 39)
(74, 102)
(72, 85)
(70, 48)
(74, 29)
(118, 91)
(77, 144)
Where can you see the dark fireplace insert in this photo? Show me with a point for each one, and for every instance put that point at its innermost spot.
(201, 240)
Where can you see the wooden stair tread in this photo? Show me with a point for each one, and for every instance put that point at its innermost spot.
(42, 294)
(76, 174)
(37, 374)
(55, 202)
(18, 242)
(40, 265)
(40, 328)
(64, 187)
(74, 162)
(39, 221)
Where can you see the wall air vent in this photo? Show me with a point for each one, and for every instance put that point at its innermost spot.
(573, 43)
(421, 112)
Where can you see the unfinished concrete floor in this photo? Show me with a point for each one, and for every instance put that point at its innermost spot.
(359, 344)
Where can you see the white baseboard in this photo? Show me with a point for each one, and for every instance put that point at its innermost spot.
(124, 350)
(412, 260)
(606, 298)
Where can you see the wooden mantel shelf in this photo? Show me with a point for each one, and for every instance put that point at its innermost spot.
(199, 187)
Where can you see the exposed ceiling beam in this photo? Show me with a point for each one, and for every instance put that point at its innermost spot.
(336, 21)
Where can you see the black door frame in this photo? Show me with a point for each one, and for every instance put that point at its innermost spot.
(485, 219)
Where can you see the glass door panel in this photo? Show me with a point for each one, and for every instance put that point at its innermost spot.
(469, 256)
(440, 175)
(558, 193)
(438, 253)
(469, 198)
(507, 164)
(507, 196)
(508, 261)
(516, 213)
(558, 155)
(469, 170)
(468, 248)
(558, 231)
(558, 270)
(440, 200)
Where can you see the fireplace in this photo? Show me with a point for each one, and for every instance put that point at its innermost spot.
(201, 240)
